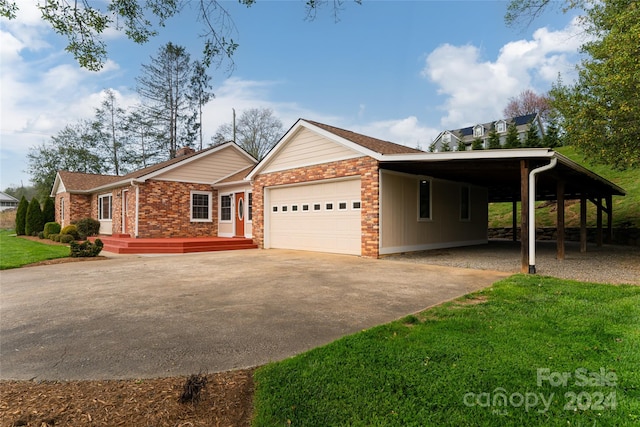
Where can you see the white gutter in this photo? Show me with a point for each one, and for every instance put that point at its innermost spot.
(532, 212)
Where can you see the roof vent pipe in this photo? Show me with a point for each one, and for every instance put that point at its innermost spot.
(532, 212)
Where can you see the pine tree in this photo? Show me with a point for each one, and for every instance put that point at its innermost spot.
(49, 211)
(494, 140)
(512, 141)
(33, 224)
(21, 216)
(532, 139)
(477, 144)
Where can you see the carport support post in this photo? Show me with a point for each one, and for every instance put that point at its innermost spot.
(583, 223)
(514, 219)
(560, 220)
(599, 222)
(609, 235)
(524, 215)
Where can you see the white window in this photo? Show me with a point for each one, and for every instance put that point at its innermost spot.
(225, 207)
(61, 209)
(501, 127)
(104, 207)
(424, 199)
(317, 206)
(305, 207)
(465, 203)
(284, 208)
(249, 207)
(294, 208)
(478, 131)
(355, 205)
(274, 209)
(342, 206)
(200, 206)
(329, 206)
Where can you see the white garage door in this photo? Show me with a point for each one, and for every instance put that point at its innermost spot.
(323, 217)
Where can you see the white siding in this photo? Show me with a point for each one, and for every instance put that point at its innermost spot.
(336, 230)
(308, 148)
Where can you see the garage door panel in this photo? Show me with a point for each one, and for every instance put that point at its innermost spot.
(325, 230)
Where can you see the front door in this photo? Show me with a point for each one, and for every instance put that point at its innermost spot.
(239, 215)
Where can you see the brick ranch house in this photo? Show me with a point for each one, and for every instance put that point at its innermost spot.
(175, 198)
(327, 189)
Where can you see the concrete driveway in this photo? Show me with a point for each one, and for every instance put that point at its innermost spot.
(154, 316)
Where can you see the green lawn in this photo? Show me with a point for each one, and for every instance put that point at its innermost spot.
(453, 364)
(16, 252)
(625, 209)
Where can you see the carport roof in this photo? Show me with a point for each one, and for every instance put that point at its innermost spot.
(499, 171)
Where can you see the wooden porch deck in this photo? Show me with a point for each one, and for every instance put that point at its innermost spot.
(124, 244)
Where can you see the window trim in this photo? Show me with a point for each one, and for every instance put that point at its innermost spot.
(61, 207)
(478, 131)
(223, 208)
(101, 197)
(468, 195)
(353, 207)
(343, 202)
(249, 207)
(419, 196)
(209, 195)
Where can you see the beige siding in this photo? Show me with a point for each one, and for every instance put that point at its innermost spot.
(402, 231)
(308, 148)
(209, 168)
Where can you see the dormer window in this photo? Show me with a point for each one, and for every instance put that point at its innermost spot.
(478, 131)
(501, 126)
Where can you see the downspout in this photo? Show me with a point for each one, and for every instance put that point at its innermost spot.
(532, 212)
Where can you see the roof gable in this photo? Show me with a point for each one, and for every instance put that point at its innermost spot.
(317, 143)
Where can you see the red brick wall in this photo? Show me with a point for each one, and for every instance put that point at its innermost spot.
(165, 210)
(76, 206)
(365, 167)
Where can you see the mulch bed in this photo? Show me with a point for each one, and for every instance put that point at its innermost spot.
(225, 400)
(57, 260)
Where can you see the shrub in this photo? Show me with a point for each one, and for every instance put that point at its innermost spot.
(86, 248)
(87, 227)
(66, 238)
(55, 237)
(72, 230)
(34, 223)
(49, 210)
(21, 216)
(51, 227)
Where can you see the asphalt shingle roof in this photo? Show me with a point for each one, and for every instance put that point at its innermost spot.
(373, 144)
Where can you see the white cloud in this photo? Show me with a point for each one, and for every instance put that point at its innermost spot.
(407, 131)
(477, 90)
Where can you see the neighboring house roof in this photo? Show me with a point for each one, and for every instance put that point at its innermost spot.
(85, 183)
(518, 121)
(4, 197)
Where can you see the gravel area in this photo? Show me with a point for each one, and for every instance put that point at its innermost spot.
(606, 264)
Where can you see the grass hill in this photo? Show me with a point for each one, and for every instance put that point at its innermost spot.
(626, 210)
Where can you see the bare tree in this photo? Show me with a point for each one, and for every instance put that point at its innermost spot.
(257, 130)
(528, 102)
(164, 87)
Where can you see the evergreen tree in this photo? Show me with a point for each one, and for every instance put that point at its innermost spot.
(532, 139)
(21, 216)
(494, 140)
(461, 145)
(513, 140)
(49, 210)
(477, 144)
(551, 137)
(34, 223)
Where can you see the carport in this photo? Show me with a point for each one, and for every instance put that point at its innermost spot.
(526, 176)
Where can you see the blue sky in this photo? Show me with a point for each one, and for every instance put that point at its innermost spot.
(397, 70)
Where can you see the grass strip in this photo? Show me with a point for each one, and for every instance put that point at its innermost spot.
(16, 252)
(527, 351)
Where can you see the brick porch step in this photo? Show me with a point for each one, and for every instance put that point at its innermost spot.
(128, 245)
